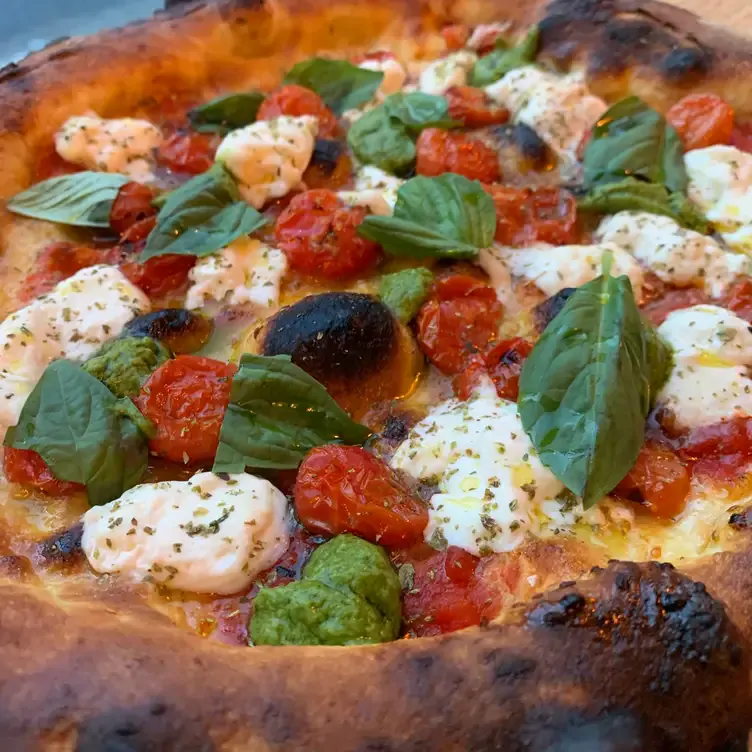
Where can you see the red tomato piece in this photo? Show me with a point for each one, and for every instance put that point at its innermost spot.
(296, 100)
(659, 480)
(455, 36)
(496, 584)
(460, 319)
(473, 108)
(159, 276)
(441, 151)
(132, 205)
(27, 468)
(721, 451)
(317, 233)
(702, 120)
(503, 363)
(465, 383)
(191, 153)
(55, 263)
(657, 310)
(186, 398)
(343, 489)
(741, 136)
(739, 298)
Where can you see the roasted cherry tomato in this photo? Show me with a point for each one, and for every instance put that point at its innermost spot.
(132, 205)
(296, 100)
(702, 120)
(455, 36)
(55, 263)
(29, 469)
(741, 137)
(525, 215)
(344, 489)
(739, 298)
(503, 363)
(461, 318)
(159, 277)
(473, 108)
(317, 232)
(673, 300)
(721, 451)
(186, 398)
(659, 480)
(191, 153)
(441, 151)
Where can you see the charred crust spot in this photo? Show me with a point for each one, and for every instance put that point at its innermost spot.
(63, 548)
(741, 520)
(554, 614)
(506, 666)
(684, 64)
(326, 152)
(531, 146)
(335, 337)
(180, 330)
(549, 309)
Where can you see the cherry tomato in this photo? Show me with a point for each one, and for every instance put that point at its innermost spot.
(296, 100)
(186, 398)
(741, 137)
(344, 489)
(461, 318)
(466, 382)
(191, 153)
(51, 165)
(473, 108)
(503, 363)
(160, 276)
(525, 215)
(657, 310)
(484, 39)
(702, 120)
(317, 232)
(441, 151)
(55, 263)
(659, 480)
(721, 451)
(739, 298)
(455, 36)
(132, 204)
(496, 584)
(27, 468)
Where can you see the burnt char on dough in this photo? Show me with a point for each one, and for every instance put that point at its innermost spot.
(638, 654)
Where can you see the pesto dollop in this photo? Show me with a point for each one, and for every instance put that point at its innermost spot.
(405, 291)
(349, 594)
(124, 364)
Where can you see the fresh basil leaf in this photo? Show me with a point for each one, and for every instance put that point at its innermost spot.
(202, 216)
(635, 195)
(81, 430)
(83, 199)
(342, 85)
(417, 111)
(227, 113)
(405, 291)
(277, 414)
(587, 386)
(496, 64)
(378, 139)
(633, 140)
(448, 216)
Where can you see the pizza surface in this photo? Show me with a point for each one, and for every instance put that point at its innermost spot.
(344, 350)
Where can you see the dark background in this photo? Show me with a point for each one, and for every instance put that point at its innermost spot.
(27, 25)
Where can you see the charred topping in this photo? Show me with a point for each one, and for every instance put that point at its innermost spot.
(180, 330)
(326, 152)
(548, 310)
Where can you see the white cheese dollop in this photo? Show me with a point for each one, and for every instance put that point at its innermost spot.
(375, 189)
(394, 79)
(206, 535)
(483, 32)
(73, 321)
(678, 256)
(447, 72)
(248, 272)
(124, 145)
(269, 157)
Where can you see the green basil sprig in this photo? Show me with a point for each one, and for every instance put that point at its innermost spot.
(83, 199)
(277, 414)
(228, 113)
(202, 216)
(587, 387)
(405, 291)
(444, 217)
(385, 136)
(83, 432)
(342, 85)
(496, 64)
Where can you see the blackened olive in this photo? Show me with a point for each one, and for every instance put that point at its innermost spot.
(548, 310)
(326, 152)
(180, 330)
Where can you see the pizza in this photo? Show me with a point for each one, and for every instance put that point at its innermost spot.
(377, 377)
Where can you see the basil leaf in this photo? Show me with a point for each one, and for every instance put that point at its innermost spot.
(83, 199)
(202, 216)
(448, 216)
(405, 291)
(342, 85)
(417, 111)
(635, 195)
(633, 140)
(376, 138)
(587, 386)
(81, 430)
(228, 113)
(277, 414)
(498, 63)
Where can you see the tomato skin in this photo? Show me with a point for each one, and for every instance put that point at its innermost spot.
(659, 480)
(657, 310)
(191, 153)
(344, 489)
(741, 137)
(461, 318)
(296, 100)
(186, 398)
(57, 262)
(160, 276)
(738, 298)
(317, 233)
(27, 468)
(132, 205)
(455, 36)
(721, 451)
(441, 151)
(702, 120)
(473, 108)
(502, 363)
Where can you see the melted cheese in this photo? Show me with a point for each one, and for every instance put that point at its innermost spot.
(447, 72)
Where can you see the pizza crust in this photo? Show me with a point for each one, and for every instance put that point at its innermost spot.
(636, 652)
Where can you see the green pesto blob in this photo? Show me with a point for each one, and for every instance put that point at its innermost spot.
(405, 291)
(124, 364)
(349, 594)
